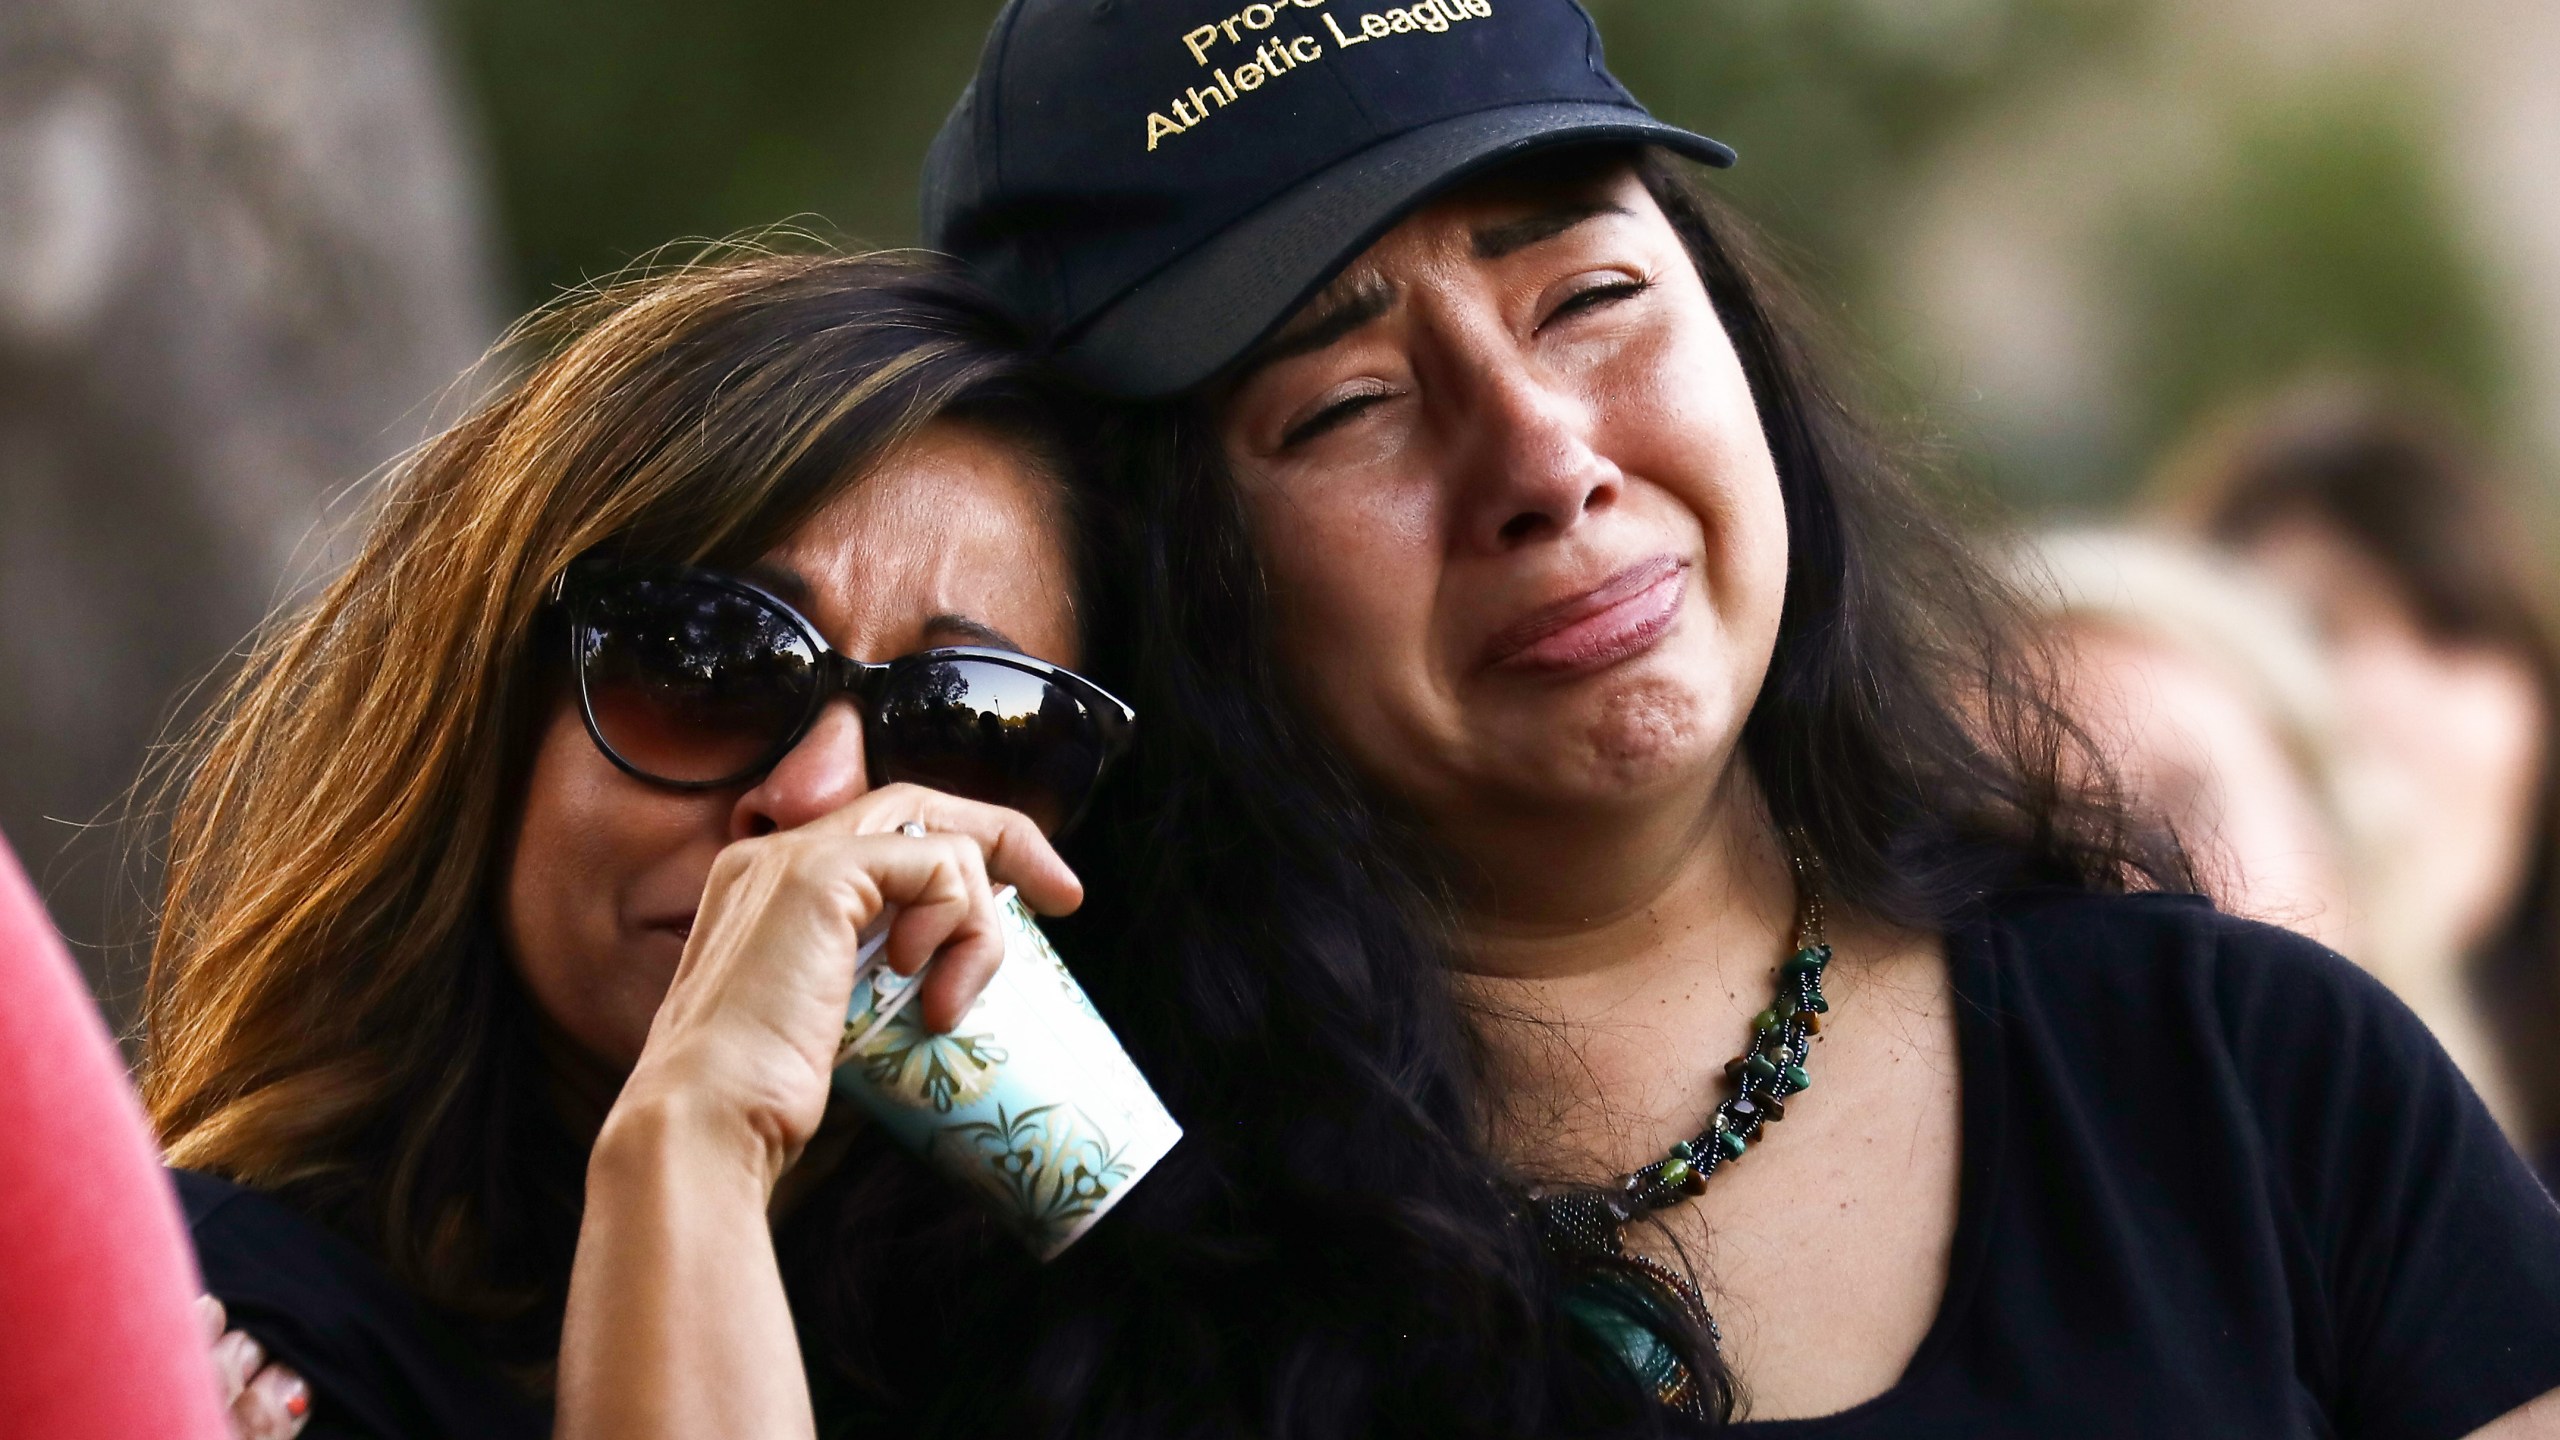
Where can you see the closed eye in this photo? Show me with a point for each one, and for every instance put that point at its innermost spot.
(1331, 416)
(1595, 296)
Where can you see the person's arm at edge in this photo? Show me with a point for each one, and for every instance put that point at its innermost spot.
(96, 1277)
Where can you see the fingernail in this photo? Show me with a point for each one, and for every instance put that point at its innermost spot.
(251, 1354)
(297, 1398)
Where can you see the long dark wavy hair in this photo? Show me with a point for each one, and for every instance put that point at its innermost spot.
(1332, 1251)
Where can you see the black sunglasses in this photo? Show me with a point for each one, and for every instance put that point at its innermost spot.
(697, 680)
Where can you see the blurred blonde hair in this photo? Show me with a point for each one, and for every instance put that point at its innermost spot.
(2263, 652)
(2209, 607)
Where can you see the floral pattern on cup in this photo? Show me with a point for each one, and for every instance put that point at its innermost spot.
(1048, 1168)
(935, 1071)
(1031, 1102)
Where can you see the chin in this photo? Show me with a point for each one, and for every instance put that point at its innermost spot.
(1655, 735)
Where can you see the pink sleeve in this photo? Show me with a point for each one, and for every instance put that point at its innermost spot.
(96, 1277)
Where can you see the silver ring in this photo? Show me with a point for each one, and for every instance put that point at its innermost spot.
(914, 830)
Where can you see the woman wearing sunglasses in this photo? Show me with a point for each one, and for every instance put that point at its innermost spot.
(513, 890)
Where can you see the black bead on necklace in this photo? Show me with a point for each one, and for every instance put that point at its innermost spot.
(1611, 1290)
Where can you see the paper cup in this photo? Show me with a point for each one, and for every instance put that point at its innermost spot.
(1029, 1101)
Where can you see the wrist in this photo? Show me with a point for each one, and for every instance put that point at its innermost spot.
(655, 1133)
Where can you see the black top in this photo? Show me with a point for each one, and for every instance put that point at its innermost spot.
(2217, 1181)
(379, 1365)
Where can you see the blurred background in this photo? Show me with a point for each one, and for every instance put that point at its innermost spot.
(248, 246)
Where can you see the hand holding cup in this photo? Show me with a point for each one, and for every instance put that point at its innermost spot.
(747, 1037)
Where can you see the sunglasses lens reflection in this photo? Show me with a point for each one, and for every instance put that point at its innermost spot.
(690, 683)
(989, 732)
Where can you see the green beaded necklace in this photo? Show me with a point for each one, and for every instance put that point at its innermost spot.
(1584, 1228)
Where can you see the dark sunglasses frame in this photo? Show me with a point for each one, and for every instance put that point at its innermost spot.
(838, 674)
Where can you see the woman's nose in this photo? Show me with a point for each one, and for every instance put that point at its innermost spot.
(827, 770)
(1528, 463)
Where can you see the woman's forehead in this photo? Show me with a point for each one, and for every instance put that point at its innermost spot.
(1497, 214)
(1487, 219)
(962, 523)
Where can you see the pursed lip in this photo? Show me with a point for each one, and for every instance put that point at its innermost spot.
(1616, 618)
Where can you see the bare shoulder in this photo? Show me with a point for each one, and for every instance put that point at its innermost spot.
(1902, 963)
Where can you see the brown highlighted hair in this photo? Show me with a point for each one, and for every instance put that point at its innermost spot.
(2404, 484)
(329, 1017)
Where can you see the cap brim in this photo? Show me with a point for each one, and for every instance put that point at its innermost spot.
(1184, 323)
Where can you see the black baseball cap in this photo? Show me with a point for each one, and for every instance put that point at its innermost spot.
(1155, 184)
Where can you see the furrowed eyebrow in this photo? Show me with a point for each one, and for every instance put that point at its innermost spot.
(975, 631)
(1328, 320)
(793, 589)
(1495, 241)
(785, 584)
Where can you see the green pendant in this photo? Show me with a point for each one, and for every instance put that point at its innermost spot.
(1613, 1309)
(1770, 1069)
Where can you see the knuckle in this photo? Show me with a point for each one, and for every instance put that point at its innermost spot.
(815, 866)
(903, 797)
(804, 864)
(736, 859)
(266, 1419)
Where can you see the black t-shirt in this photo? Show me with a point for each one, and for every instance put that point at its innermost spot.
(2216, 1181)
(379, 1364)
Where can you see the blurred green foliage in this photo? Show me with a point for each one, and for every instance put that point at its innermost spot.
(2323, 241)
(1835, 106)
(614, 126)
